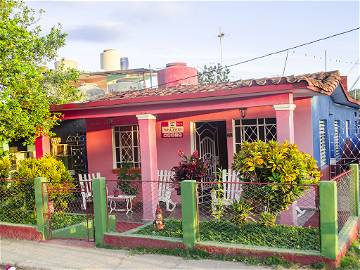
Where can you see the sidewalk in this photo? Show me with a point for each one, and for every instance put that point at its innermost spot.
(60, 255)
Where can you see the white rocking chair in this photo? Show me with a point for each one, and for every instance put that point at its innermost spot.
(86, 186)
(165, 178)
(231, 190)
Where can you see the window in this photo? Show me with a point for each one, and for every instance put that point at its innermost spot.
(250, 130)
(347, 126)
(322, 136)
(336, 139)
(127, 147)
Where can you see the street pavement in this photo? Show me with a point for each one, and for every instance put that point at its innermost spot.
(56, 254)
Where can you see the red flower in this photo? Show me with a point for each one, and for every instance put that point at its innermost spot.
(195, 154)
(181, 153)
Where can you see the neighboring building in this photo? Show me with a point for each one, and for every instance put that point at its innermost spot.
(148, 127)
(97, 84)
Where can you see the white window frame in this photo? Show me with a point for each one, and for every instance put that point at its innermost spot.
(258, 126)
(347, 128)
(322, 142)
(134, 132)
(336, 139)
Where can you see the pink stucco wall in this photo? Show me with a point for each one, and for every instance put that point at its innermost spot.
(100, 144)
(303, 125)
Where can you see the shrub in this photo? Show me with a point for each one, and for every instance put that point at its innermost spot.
(126, 175)
(5, 165)
(241, 212)
(190, 167)
(282, 169)
(56, 174)
(267, 219)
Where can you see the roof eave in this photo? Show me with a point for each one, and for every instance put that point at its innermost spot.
(252, 90)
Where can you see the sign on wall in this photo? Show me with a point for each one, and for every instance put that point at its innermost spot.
(172, 129)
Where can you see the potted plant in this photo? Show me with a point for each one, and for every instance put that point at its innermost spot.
(190, 168)
(125, 176)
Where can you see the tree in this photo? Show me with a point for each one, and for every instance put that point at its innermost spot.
(214, 74)
(27, 89)
(355, 94)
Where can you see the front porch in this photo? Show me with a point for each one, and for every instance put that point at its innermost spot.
(215, 127)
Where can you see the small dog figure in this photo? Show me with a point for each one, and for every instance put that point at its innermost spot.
(159, 220)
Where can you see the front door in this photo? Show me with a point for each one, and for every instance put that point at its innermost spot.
(210, 142)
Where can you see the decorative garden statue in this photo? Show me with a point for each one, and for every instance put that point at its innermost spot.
(159, 219)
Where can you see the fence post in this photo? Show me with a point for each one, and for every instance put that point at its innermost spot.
(190, 215)
(355, 199)
(328, 219)
(41, 206)
(100, 211)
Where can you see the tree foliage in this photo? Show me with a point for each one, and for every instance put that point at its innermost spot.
(214, 74)
(27, 89)
(355, 94)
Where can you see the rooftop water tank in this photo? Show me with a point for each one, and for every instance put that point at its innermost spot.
(110, 60)
(124, 63)
(177, 74)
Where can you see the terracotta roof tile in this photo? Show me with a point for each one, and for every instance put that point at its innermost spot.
(323, 82)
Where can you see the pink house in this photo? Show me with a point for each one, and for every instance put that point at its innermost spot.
(148, 127)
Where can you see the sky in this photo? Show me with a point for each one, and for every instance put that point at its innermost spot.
(156, 33)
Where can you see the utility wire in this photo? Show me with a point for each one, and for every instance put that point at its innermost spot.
(269, 54)
(287, 55)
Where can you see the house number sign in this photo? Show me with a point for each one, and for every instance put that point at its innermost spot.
(172, 129)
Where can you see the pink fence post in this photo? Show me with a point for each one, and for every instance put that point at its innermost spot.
(148, 150)
(42, 146)
(285, 132)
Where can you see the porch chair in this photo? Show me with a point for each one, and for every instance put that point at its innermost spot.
(231, 187)
(86, 186)
(165, 178)
(233, 190)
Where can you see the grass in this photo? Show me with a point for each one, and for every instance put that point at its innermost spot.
(352, 258)
(279, 236)
(61, 220)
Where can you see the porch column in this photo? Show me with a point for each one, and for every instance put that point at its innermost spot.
(42, 146)
(148, 150)
(230, 142)
(285, 122)
(285, 132)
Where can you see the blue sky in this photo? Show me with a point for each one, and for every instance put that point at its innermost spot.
(156, 33)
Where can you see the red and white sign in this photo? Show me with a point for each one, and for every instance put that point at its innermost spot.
(172, 129)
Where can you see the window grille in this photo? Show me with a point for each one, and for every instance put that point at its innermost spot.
(127, 146)
(250, 130)
(336, 139)
(322, 135)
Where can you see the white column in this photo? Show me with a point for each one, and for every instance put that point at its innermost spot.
(285, 132)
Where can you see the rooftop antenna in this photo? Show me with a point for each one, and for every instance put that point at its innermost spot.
(220, 36)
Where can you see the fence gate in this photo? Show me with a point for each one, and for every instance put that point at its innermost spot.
(68, 216)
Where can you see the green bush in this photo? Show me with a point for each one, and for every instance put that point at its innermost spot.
(267, 219)
(56, 174)
(5, 165)
(241, 212)
(127, 174)
(280, 171)
(17, 201)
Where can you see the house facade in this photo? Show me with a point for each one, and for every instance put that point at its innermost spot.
(148, 127)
